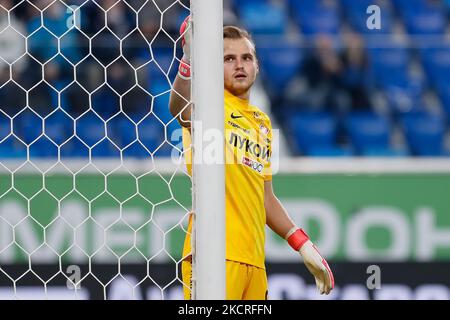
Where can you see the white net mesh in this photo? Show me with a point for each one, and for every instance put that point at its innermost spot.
(91, 207)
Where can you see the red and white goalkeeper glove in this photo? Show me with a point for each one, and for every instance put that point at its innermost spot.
(184, 69)
(315, 263)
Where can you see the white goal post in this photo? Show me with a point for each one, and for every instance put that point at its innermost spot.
(208, 178)
(90, 177)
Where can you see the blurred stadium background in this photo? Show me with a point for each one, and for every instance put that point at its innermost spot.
(85, 134)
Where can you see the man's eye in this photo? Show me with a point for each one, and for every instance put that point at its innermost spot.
(229, 59)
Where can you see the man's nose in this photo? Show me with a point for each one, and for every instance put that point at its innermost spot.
(239, 64)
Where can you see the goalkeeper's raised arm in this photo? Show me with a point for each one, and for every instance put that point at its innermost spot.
(181, 90)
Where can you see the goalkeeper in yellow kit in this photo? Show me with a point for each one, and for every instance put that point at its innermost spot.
(250, 201)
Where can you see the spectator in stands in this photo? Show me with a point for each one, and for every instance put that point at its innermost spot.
(117, 19)
(319, 85)
(153, 13)
(355, 79)
(12, 46)
(43, 46)
(12, 42)
(229, 16)
(12, 99)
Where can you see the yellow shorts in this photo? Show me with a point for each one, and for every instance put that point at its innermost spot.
(243, 281)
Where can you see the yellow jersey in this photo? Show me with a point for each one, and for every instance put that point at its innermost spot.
(248, 138)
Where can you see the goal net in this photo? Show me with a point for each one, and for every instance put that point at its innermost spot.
(94, 194)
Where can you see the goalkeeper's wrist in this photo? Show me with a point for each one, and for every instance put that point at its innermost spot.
(184, 70)
(296, 237)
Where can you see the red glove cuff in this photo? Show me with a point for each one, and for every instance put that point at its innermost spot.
(297, 239)
(184, 70)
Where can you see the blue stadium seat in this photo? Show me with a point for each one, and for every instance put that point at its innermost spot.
(164, 151)
(436, 62)
(163, 64)
(425, 21)
(121, 131)
(390, 70)
(163, 68)
(389, 65)
(135, 150)
(43, 148)
(303, 5)
(161, 107)
(317, 19)
(90, 129)
(151, 133)
(405, 97)
(74, 148)
(409, 5)
(41, 43)
(313, 131)
(119, 127)
(356, 12)
(356, 5)
(263, 18)
(158, 85)
(105, 102)
(368, 131)
(424, 133)
(5, 126)
(6, 147)
(280, 62)
(27, 126)
(444, 95)
(238, 3)
(105, 149)
(359, 23)
(59, 127)
(11, 147)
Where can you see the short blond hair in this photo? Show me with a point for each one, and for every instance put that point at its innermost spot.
(234, 33)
